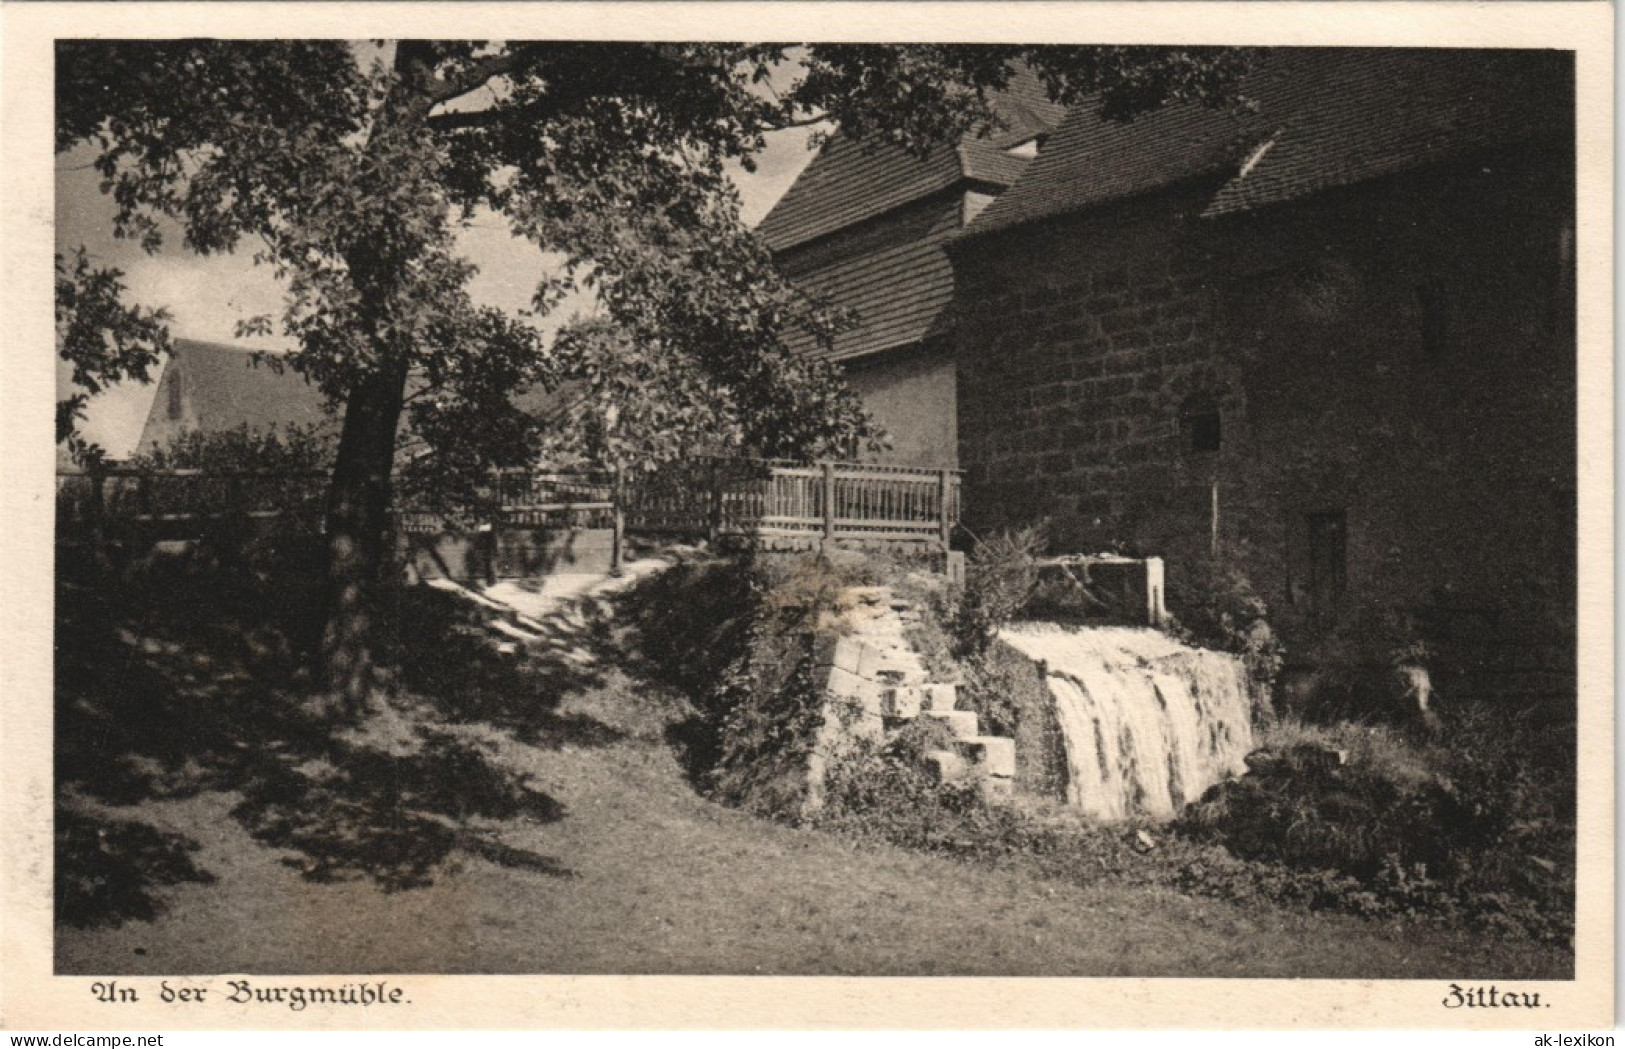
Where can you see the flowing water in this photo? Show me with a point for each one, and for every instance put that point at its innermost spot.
(1149, 723)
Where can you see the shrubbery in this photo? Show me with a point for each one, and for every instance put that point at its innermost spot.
(1215, 606)
(1457, 832)
(291, 449)
(737, 638)
(1000, 575)
(1361, 667)
(260, 573)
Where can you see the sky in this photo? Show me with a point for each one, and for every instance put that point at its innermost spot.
(208, 295)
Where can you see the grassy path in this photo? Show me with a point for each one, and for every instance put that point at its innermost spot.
(662, 881)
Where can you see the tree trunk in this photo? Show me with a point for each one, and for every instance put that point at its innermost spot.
(357, 531)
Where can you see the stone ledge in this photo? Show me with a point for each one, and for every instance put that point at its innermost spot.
(962, 723)
(990, 755)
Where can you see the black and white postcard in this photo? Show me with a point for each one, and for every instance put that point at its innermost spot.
(808, 515)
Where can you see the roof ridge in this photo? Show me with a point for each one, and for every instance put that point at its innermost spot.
(1341, 115)
(854, 180)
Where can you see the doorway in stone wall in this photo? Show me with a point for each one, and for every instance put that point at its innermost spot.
(1328, 561)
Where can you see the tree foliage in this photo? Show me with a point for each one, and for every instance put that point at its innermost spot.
(293, 449)
(102, 338)
(350, 168)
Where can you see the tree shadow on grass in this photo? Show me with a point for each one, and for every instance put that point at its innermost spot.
(165, 714)
(445, 650)
(106, 869)
(359, 812)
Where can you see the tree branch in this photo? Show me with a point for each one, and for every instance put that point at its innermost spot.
(813, 121)
(462, 119)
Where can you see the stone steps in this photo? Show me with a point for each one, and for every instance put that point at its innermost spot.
(876, 676)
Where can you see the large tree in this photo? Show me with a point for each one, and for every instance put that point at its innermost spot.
(350, 168)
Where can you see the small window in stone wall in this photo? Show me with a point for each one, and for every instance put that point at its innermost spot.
(1433, 312)
(1199, 424)
(174, 395)
(1328, 559)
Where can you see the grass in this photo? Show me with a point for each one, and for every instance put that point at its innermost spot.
(667, 882)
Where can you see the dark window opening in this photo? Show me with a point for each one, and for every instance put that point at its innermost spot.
(174, 396)
(1328, 559)
(1199, 424)
(1559, 319)
(1434, 316)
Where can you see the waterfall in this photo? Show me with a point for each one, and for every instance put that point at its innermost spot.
(1149, 723)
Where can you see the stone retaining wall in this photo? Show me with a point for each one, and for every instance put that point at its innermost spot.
(873, 683)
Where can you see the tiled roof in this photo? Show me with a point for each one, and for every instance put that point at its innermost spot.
(897, 296)
(849, 182)
(1328, 117)
(1379, 112)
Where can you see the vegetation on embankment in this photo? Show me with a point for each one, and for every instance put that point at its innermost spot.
(1371, 819)
(738, 636)
(531, 814)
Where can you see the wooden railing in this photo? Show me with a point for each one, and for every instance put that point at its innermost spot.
(527, 499)
(697, 497)
(830, 501)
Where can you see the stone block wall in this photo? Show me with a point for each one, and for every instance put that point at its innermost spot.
(1072, 362)
(870, 681)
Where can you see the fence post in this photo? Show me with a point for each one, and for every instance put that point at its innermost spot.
(97, 529)
(829, 503)
(945, 525)
(714, 528)
(1213, 520)
(617, 496)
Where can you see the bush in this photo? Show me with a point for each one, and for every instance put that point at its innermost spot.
(1362, 665)
(1423, 830)
(882, 793)
(766, 715)
(1000, 575)
(1339, 800)
(292, 449)
(254, 571)
(809, 593)
(1214, 605)
(737, 639)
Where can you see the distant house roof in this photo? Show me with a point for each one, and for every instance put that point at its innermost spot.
(212, 387)
(849, 181)
(1316, 118)
(221, 388)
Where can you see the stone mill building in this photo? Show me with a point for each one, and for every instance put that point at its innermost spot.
(1327, 336)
